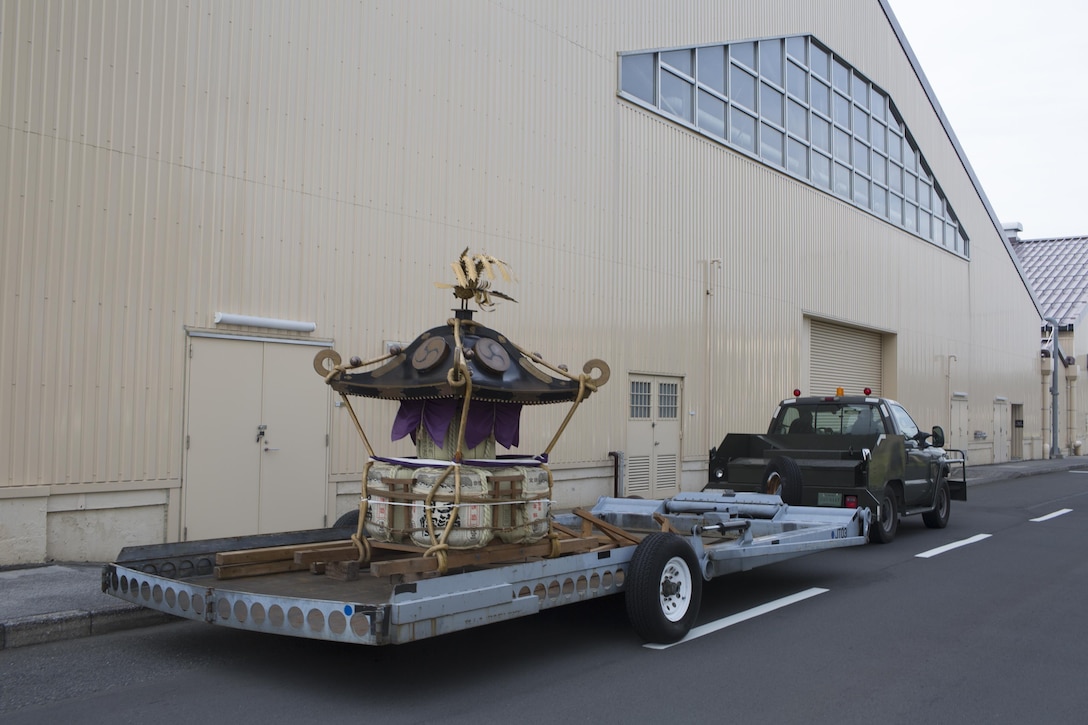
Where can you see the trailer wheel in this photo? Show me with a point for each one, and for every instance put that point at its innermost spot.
(351, 518)
(938, 517)
(882, 531)
(663, 589)
(782, 476)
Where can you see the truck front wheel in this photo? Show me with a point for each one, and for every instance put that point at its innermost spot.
(663, 589)
(882, 530)
(782, 476)
(938, 517)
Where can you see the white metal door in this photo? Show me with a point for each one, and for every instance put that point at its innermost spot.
(1001, 431)
(1017, 451)
(653, 436)
(256, 439)
(222, 461)
(958, 435)
(294, 473)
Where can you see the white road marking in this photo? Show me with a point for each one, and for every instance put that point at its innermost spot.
(954, 545)
(711, 627)
(1056, 514)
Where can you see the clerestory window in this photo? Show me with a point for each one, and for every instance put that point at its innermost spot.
(795, 105)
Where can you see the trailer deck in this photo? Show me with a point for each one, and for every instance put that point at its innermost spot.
(283, 587)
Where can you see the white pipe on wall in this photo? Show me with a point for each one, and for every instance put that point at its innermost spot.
(224, 318)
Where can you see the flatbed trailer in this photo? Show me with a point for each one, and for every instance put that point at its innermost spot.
(657, 552)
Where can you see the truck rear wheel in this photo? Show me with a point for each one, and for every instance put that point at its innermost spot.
(782, 476)
(663, 589)
(882, 530)
(938, 517)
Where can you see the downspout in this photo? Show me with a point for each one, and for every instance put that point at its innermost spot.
(712, 266)
(948, 392)
(615, 456)
(1055, 452)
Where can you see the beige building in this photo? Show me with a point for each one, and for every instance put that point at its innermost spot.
(724, 201)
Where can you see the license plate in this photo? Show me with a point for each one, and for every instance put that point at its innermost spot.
(829, 499)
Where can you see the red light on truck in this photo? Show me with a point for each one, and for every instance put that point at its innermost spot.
(850, 502)
(868, 391)
(797, 392)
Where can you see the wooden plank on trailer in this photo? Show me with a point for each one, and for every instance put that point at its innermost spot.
(486, 556)
(614, 532)
(566, 531)
(344, 552)
(271, 553)
(237, 571)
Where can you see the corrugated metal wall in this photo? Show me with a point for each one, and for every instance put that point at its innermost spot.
(164, 161)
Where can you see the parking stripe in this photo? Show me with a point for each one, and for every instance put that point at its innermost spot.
(710, 627)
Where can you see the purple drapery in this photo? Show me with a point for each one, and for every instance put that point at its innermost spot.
(503, 420)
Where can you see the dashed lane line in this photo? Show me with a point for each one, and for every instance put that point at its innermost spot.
(954, 545)
(1056, 514)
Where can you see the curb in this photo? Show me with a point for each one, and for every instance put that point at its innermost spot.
(76, 623)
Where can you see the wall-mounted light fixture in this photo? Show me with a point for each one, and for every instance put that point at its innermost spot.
(224, 318)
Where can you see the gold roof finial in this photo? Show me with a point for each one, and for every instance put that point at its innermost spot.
(474, 273)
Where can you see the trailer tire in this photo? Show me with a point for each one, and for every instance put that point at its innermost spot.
(882, 529)
(663, 588)
(782, 476)
(938, 517)
(351, 518)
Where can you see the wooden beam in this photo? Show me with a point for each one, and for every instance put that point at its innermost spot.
(270, 553)
(344, 552)
(566, 531)
(665, 525)
(614, 532)
(486, 556)
(237, 571)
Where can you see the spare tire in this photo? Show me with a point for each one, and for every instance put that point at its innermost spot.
(351, 518)
(782, 476)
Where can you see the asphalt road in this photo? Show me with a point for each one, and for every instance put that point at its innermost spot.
(992, 631)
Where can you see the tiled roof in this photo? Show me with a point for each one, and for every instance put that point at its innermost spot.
(1057, 270)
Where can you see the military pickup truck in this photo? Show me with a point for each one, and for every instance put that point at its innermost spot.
(849, 451)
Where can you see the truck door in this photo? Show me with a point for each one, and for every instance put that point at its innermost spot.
(918, 478)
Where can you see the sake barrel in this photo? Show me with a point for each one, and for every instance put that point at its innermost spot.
(388, 519)
(472, 526)
(522, 506)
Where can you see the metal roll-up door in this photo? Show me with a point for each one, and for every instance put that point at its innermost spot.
(845, 357)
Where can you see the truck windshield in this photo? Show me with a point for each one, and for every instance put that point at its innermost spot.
(829, 419)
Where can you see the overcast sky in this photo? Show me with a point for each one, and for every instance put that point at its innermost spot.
(1012, 78)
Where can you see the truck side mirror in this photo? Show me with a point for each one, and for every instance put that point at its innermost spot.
(938, 436)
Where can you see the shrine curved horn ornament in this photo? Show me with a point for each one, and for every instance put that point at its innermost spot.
(603, 372)
(321, 357)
